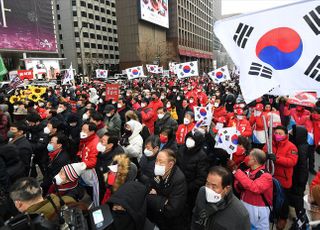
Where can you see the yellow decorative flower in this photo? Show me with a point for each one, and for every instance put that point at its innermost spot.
(37, 90)
(14, 99)
(34, 97)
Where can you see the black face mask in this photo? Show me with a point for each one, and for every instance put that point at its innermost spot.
(127, 132)
(122, 220)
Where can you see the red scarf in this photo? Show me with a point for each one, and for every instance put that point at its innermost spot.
(53, 154)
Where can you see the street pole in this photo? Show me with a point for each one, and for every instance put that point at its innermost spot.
(81, 50)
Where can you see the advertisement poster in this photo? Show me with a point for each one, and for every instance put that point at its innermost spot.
(27, 25)
(155, 11)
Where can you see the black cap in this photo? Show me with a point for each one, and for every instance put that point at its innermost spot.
(109, 108)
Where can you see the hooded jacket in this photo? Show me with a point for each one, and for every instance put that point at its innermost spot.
(286, 158)
(132, 197)
(134, 149)
(147, 117)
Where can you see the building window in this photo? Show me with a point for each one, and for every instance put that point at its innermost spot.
(93, 36)
(90, 6)
(96, 8)
(111, 56)
(111, 47)
(93, 45)
(78, 44)
(117, 56)
(110, 39)
(99, 46)
(58, 16)
(82, 3)
(76, 34)
(91, 26)
(102, 10)
(74, 3)
(85, 34)
(99, 37)
(108, 12)
(58, 7)
(74, 13)
(75, 24)
(105, 47)
(61, 46)
(102, 1)
(97, 18)
(115, 31)
(103, 19)
(86, 45)
(98, 27)
(114, 22)
(91, 16)
(59, 26)
(104, 28)
(106, 56)
(116, 48)
(83, 14)
(60, 37)
(109, 30)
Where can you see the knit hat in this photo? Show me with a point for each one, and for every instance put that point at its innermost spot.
(74, 171)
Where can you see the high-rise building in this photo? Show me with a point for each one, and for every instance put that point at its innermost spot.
(87, 34)
(163, 31)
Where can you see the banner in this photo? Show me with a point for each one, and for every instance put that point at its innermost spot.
(160, 69)
(112, 92)
(135, 72)
(25, 74)
(102, 73)
(227, 139)
(152, 68)
(307, 99)
(277, 50)
(187, 69)
(14, 83)
(166, 73)
(220, 75)
(172, 67)
(27, 25)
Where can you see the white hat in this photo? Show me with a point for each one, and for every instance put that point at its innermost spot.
(74, 171)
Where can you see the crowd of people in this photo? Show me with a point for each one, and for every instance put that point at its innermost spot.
(147, 158)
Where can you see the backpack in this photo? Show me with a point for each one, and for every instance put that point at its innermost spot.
(278, 198)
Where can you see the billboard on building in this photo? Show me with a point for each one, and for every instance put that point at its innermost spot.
(27, 25)
(155, 11)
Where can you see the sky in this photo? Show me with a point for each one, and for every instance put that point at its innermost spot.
(246, 6)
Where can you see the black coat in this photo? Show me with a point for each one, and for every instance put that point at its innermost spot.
(227, 215)
(147, 168)
(171, 144)
(166, 208)
(194, 164)
(25, 151)
(14, 166)
(4, 177)
(300, 171)
(132, 197)
(166, 121)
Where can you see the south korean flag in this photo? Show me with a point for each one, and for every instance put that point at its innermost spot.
(187, 69)
(220, 75)
(135, 72)
(152, 68)
(203, 115)
(227, 139)
(277, 50)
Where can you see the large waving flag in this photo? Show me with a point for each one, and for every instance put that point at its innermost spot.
(69, 76)
(277, 50)
(187, 69)
(102, 73)
(135, 72)
(220, 75)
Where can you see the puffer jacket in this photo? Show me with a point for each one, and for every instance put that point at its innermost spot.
(88, 150)
(286, 158)
(182, 132)
(134, 149)
(251, 188)
(166, 121)
(147, 115)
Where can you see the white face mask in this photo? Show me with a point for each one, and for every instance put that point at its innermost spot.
(219, 125)
(162, 97)
(83, 135)
(160, 116)
(113, 168)
(101, 147)
(148, 153)
(159, 170)
(41, 104)
(216, 105)
(46, 130)
(119, 106)
(186, 121)
(191, 101)
(212, 196)
(85, 117)
(178, 98)
(100, 101)
(190, 143)
(143, 105)
(257, 113)
(59, 110)
(168, 106)
(15, 107)
(58, 179)
(109, 114)
(239, 117)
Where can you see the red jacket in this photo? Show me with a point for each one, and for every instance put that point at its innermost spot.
(300, 117)
(88, 150)
(219, 112)
(243, 126)
(315, 181)
(316, 128)
(182, 132)
(155, 105)
(251, 189)
(147, 115)
(256, 122)
(286, 158)
(239, 155)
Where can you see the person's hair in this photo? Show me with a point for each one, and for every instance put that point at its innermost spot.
(123, 162)
(131, 115)
(167, 130)
(61, 139)
(244, 142)
(56, 124)
(64, 103)
(226, 176)
(96, 116)
(92, 126)
(20, 126)
(170, 154)
(25, 189)
(162, 108)
(153, 140)
(282, 128)
(259, 155)
(112, 139)
(33, 117)
(155, 93)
